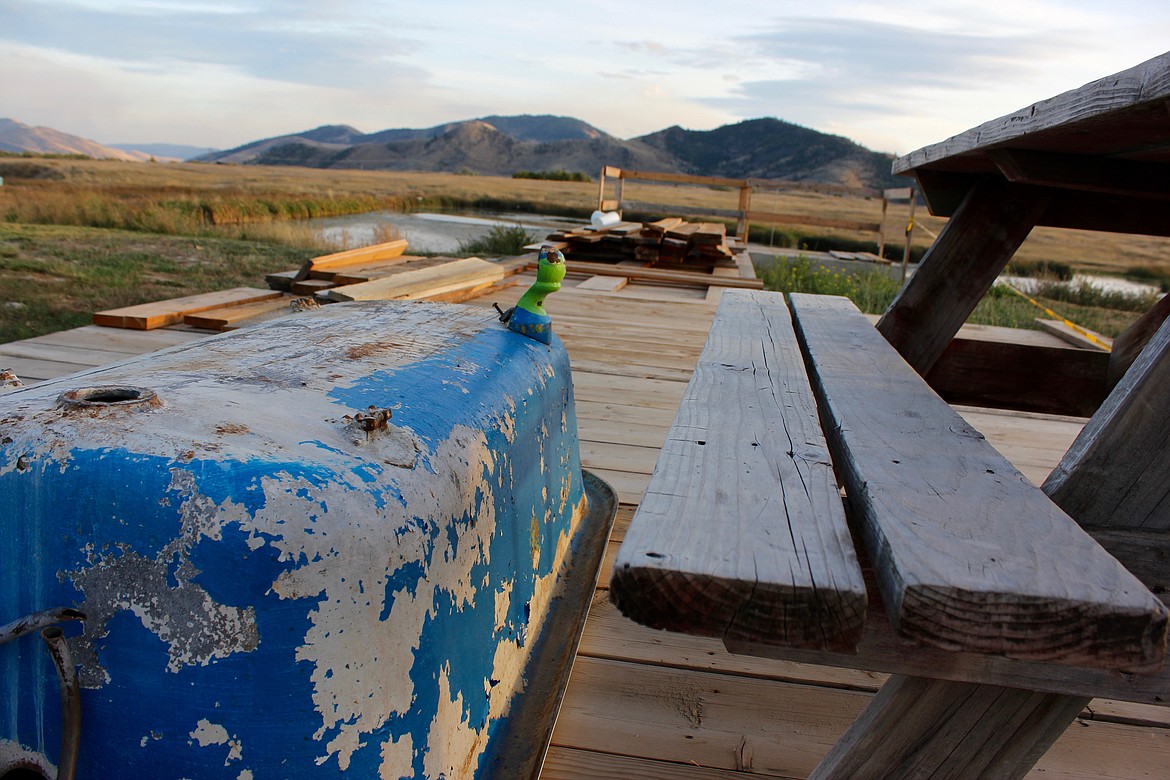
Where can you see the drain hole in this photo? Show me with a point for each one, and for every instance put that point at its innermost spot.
(113, 395)
(108, 396)
(24, 773)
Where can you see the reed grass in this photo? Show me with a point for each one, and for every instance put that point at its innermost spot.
(873, 291)
(500, 241)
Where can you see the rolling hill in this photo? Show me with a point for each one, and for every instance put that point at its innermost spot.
(19, 137)
(757, 148)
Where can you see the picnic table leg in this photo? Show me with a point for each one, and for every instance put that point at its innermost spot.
(922, 728)
(959, 268)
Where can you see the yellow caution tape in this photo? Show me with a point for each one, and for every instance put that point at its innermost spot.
(1086, 333)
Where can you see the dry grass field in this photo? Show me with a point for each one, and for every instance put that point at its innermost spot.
(1096, 252)
(78, 235)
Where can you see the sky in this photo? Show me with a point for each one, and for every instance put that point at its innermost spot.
(891, 75)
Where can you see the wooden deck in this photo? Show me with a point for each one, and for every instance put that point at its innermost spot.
(646, 705)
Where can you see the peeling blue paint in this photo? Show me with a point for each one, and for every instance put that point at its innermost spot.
(264, 552)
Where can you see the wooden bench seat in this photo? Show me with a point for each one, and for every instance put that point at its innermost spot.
(998, 616)
(741, 534)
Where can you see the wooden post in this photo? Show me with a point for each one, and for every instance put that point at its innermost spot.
(909, 232)
(918, 727)
(882, 228)
(959, 268)
(1117, 472)
(618, 194)
(745, 205)
(601, 187)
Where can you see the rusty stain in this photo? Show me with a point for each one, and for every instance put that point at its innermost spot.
(228, 428)
(360, 351)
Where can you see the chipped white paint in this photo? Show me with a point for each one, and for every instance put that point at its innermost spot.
(207, 733)
(355, 689)
(397, 759)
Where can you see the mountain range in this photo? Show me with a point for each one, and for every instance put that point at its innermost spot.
(502, 145)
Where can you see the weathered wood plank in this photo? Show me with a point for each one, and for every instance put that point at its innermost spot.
(449, 277)
(1084, 172)
(882, 650)
(83, 357)
(767, 728)
(742, 532)
(1130, 343)
(959, 269)
(362, 255)
(604, 283)
(128, 342)
(1024, 377)
(968, 555)
(147, 316)
(1117, 472)
(364, 272)
(569, 764)
(921, 728)
(658, 275)
(222, 319)
(1148, 82)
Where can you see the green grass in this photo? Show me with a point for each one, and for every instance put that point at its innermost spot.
(56, 277)
(873, 292)
(558, 175)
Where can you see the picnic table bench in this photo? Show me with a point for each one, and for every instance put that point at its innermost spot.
(816, 501)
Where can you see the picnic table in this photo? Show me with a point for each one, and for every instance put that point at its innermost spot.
(816, 501)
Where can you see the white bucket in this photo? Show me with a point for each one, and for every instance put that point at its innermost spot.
(604, 219)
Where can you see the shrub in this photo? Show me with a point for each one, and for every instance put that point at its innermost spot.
(500, 240)
(558, 175)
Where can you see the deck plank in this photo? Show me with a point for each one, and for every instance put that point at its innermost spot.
(742, 531)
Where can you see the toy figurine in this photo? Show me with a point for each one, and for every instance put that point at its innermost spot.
(528, 316)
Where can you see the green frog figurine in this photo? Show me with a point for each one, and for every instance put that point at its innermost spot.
(528, 316)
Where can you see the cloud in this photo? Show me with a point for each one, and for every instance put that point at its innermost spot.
(865, 79)
(305, 43)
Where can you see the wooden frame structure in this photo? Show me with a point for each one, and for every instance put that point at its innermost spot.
(744, 214)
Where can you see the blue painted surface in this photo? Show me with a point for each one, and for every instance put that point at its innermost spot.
(250, 595)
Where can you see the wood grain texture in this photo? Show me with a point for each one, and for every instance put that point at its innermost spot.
(658, 275)
(921, 728)
(449, 277)
(1130, 343)
(959, 268)
(229, 317)
(742, 532)
(360, 256)
(1117, 472)
(882, 650)
(147, 316)
(968, 555)
(1147, 83)
(604, 283)
(1023, 377)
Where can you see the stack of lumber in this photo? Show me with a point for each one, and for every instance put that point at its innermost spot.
(435, 278)
(668, 243)
(234, 305)
(349, 267)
